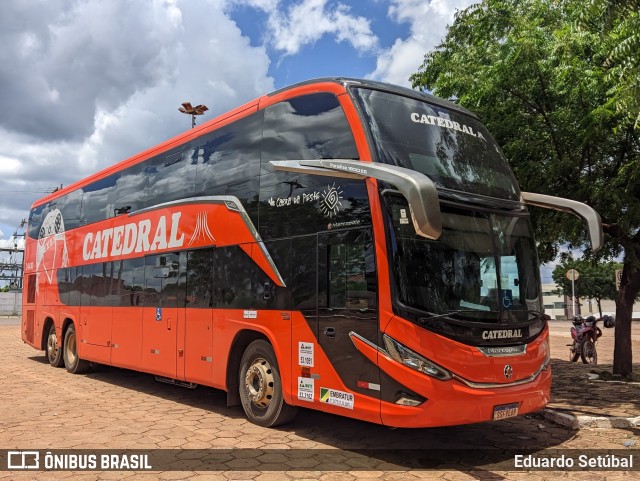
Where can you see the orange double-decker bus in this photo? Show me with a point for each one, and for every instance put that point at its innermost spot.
(341, 245)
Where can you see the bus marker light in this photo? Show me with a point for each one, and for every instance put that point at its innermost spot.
(369, 385)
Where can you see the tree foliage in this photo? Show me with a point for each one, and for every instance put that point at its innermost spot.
(596, 280)
(622, 44)
(542, 77)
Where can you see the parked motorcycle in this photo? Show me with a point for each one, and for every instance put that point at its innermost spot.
(585, 334)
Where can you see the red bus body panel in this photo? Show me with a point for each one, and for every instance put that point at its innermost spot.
(194, 345)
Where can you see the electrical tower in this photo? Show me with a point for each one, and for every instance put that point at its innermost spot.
(12, 259)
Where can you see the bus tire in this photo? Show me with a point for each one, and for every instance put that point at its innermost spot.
(261, 387)
(72, 361)
(53, 352)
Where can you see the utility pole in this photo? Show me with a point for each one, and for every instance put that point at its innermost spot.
(12, 259)
(193, 111)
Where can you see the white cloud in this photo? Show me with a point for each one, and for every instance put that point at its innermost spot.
(306, 22)
(11, 243)
(428, 21)
(87, 83)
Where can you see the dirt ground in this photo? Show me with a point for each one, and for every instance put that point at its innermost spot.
(561, 336)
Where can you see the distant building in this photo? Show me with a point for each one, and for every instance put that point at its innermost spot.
(555, 302)
(559, 306)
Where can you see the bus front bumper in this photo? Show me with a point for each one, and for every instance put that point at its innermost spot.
(452, 402)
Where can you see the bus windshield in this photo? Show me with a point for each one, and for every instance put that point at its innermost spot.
(453, 149)
(482, 269)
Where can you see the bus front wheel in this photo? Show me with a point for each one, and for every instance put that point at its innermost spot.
(261, 387)
(72, 361)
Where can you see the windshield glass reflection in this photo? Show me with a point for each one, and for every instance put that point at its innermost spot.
(483, 268)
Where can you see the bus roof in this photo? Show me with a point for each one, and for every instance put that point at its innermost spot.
(241, 111)
(376, 85)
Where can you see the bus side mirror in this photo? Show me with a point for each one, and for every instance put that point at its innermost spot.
(417, 188)
(589, 214)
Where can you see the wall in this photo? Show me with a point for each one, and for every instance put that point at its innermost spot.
(10, 303)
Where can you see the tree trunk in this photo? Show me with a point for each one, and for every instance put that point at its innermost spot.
(622, 354)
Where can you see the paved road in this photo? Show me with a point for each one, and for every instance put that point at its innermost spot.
(47, 408)
(9, 321)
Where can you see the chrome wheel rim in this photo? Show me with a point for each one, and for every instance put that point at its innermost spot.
(259, 383)
(52, 345)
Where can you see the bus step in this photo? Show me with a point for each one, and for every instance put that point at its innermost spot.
(168, 380)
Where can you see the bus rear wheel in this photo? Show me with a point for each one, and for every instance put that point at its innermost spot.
(261, 387)
(54, 353)
(72, 361)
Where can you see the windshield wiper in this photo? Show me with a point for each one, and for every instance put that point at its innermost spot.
(449, 313)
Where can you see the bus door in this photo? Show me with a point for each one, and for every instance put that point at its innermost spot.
(347, 302)
(199, 313)
(96, 311)
(160, 314)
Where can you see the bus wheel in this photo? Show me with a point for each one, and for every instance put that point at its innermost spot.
(261, 387)
(54, 353)
(72, 361)
(588, 353)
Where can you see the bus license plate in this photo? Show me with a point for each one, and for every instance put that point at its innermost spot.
(505, 411)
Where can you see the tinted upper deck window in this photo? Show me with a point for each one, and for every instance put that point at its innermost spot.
(307, 127)
(452, 148)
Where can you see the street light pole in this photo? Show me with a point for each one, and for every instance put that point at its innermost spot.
(193, 111)
(573, 276)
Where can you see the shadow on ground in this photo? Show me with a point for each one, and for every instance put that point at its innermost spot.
(468, 447)
(573, 391)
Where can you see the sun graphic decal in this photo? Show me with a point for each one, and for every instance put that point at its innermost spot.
(331, 197)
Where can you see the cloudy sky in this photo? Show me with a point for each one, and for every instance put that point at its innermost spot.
(87, 83)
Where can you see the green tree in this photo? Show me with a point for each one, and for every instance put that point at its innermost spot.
(596, 280)
(538, 73)
(622, 37)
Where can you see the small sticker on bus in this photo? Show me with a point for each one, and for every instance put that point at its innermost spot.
(336, 398)
(305, 354)
(250, 314)
(306, 389)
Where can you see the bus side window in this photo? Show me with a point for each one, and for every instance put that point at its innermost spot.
(304, 271)
(69, 206)
(350, 273)
(96, 204)
(200, 278)
(170, 176)
(93, 284)
(161, 280)
(129, 194)
(232, 278)
(311, 126)
(229, 155)
(130, 281)
(64, 284)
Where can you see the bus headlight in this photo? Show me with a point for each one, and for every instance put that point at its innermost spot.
(412, 359)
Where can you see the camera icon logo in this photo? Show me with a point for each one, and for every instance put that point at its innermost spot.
(23, 460)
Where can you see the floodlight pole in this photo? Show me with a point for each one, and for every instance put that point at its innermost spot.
(193, 111)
